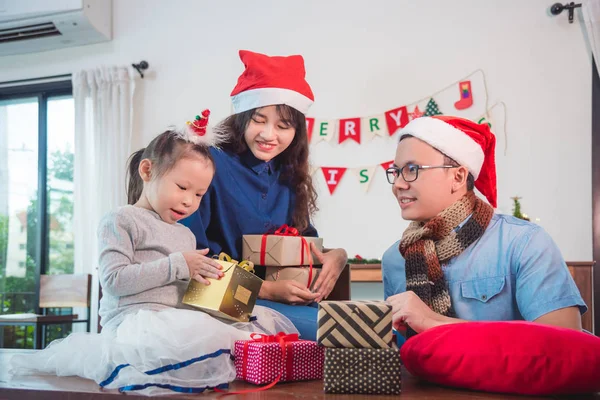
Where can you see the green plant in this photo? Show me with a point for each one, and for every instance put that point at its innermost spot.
(517, 209)
(359, 260)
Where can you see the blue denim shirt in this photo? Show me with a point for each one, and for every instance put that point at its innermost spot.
(513, 272)
(245, 197)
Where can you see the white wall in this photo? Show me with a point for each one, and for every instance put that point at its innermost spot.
(365, 60)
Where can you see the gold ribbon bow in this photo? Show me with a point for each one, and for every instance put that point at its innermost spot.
(245, 264)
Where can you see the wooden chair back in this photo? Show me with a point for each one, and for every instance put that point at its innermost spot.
(65, 291)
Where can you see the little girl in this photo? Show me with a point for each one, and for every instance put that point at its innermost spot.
(149, 340)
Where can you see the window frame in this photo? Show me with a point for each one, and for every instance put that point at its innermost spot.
(43, 92)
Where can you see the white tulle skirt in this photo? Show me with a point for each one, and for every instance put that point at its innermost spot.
(154, 352)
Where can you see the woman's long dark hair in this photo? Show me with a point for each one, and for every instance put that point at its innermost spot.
(163, 152)
(293, 160)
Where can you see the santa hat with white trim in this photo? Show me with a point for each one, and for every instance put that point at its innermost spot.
(268, 81)
(468, 143)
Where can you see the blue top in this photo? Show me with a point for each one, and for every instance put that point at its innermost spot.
(513, 272)
(244, 198)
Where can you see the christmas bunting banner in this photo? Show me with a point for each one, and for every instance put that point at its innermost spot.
(333, 176)
(324, 130)
(373, 126)
(365, 175)
(455, 97)
(458, 96)
(310, 125)
(387, 165)
(349, 129)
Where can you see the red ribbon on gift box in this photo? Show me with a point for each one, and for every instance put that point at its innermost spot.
(285, 342)
(285, 230)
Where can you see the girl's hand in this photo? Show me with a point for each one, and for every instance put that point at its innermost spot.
(202, 267)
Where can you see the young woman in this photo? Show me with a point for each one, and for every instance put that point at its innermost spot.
(262, 180)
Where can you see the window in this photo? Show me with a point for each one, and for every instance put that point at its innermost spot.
(36, 196)
(60, 147)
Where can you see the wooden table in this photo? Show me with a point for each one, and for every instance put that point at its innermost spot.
(72, 388)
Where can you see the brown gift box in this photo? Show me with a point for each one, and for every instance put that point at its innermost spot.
(355, 324)
(362, 371)
(232, 297)
(280, 251)
(298, 274)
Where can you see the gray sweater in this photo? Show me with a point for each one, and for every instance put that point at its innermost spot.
(141, 263)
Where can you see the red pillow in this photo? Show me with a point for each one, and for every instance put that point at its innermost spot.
(507, 357)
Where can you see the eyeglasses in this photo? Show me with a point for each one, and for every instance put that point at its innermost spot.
(410, 172)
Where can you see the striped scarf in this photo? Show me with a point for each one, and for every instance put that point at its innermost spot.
(427, 246)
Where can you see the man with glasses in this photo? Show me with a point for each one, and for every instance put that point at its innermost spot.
(458, 261)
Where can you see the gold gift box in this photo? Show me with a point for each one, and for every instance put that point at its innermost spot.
(298, 274)
(232, 297)
(280, 251)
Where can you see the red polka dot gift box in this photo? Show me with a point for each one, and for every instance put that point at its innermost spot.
(278, 358)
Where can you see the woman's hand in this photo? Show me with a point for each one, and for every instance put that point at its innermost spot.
(202, 267)
(334, 261)
(287, 291)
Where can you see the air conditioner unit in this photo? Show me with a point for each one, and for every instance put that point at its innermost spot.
(28, 26)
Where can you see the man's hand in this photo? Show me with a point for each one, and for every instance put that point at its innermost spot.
(409, 309)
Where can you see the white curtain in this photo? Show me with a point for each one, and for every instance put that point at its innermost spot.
(103, 141)
(591, 19)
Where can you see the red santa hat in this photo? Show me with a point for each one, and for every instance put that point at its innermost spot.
(468, 143)
(268, 81)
